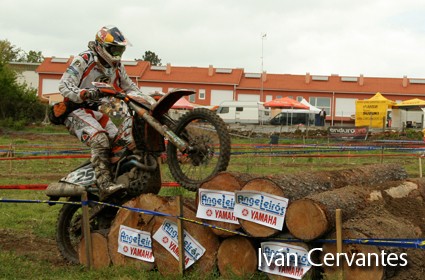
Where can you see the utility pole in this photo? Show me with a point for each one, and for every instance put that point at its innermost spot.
(263, 36)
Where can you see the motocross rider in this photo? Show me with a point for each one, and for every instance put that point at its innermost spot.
(100, 63)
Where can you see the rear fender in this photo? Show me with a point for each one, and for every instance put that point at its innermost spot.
(167, 101)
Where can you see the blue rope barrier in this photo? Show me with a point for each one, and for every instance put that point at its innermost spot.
(384, 242)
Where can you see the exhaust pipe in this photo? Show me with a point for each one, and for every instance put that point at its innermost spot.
(62, 189)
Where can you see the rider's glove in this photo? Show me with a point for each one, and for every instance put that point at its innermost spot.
(92, 94)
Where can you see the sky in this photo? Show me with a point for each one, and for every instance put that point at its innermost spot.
(376, 38)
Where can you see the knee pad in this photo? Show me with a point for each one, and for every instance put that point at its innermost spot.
(100, 141)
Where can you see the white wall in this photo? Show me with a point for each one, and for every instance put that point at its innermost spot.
(248, 97)
(147, 90)
(218, 96)
(30, 78)
(50, 86)
(345, 107)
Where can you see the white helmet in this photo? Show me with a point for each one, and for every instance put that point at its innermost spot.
(110, 44)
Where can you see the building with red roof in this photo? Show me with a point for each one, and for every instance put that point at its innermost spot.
(336, 94)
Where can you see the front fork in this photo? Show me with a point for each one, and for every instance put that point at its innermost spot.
(162, 129)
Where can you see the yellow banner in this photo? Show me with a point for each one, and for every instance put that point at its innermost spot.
(371, 113)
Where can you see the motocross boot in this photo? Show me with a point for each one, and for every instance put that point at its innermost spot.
(102, 167)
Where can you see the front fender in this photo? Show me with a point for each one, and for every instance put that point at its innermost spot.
(167, 101)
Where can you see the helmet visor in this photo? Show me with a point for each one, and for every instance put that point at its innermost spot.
(115, 50)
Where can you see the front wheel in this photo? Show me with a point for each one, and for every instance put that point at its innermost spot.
(69, 227)
(207, 135)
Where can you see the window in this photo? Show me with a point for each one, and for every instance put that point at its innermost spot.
(299, 98)
(322, 102)
(224, 110)
(239, 109)
(192, 98)
(201, 94)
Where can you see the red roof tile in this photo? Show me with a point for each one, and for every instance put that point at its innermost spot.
(194, 75)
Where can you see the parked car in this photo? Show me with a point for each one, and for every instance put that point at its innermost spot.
(286, 118)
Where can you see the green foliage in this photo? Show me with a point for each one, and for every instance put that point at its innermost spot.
(18, 101)
(152, 58)
(9, 52)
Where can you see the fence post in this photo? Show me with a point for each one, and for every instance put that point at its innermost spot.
(338, 227)
(86, 230)
(180, 230)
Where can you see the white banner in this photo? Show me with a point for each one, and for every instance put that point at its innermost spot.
(284, 260)
(216, 205)
(167, 236)
(135, 243)
(261, 208)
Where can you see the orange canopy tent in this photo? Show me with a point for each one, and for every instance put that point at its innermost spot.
(285, 103)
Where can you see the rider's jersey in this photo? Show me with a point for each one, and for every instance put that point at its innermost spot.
(85, 69)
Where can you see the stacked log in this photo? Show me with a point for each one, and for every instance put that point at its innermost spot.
(367, 225)
(362, 193)
(311, 217)
(225, 181)
(237, 256)
(133, 220)
(101, 257)
(166, 264)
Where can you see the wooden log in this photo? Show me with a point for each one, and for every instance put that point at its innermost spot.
(237, 256)
(100, 251)
(133, 220)
(224, 181)
(165, 262)
(313, 216)
(374, 223)
(265, 186)
(299, 185)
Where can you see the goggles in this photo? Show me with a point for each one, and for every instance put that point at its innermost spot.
(115, 50)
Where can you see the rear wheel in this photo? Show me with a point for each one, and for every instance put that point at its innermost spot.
(207, 135)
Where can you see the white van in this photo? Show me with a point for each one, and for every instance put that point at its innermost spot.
(249, 112)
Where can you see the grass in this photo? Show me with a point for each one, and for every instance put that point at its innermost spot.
(38, 219)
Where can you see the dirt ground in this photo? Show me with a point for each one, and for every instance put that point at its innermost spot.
(32, 247)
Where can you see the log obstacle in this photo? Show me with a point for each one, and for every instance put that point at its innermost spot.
(225, 181)
(166, 263)
(311, 217)
(101, 257)
(237, 256)
(383, 225)
(362, 193)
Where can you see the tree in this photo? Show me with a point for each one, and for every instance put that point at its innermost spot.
(17, 101)
(9, 52)
(34, 57)
(152, 58)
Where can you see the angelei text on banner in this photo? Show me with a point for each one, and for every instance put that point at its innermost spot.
(216, 205)
(167, 236)
(261, 208)
(135, 243)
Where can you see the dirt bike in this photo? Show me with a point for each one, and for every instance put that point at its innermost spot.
(198, 147)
